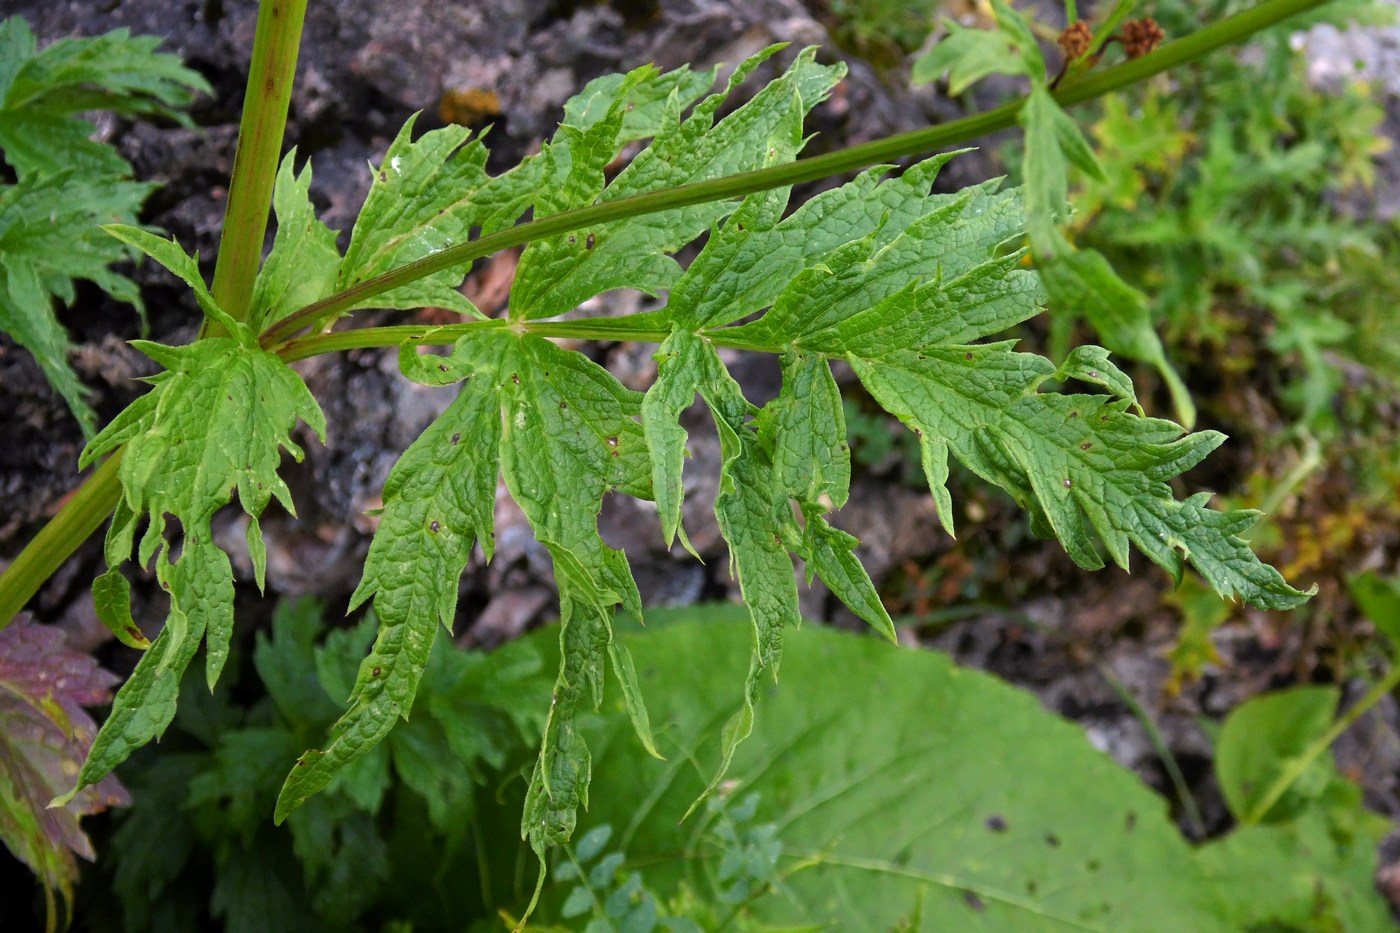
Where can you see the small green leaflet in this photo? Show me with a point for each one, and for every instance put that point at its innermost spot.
(215, 420)
(437, 505)
(559, 273)
(565, 432)
(48, 239)
(967, 55)
(1082, 281)
(304, 261)
(42, 94)
(69, 183)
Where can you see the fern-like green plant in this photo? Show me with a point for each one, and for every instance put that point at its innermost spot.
(907, 287)
(66, 183)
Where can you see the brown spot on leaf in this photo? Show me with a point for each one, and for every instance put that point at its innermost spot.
(973, 901)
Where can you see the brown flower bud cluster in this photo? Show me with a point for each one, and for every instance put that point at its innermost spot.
(1140, 36)
(1076, 39)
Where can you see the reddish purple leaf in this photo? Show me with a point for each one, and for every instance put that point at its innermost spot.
(44, 737)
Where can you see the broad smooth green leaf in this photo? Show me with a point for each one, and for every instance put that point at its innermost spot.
(915, 808)
(1302, 874)
(1266, 736)
(1379, 598)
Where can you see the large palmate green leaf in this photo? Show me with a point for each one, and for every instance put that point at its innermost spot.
(217, 419)
(907, 287)
(901, 790)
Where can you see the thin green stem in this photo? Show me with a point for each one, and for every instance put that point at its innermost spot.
(1295, 767)
(80, 516)
(628, 329)
(366, 337)
(260, 135)
(1216, 35)
(1164, 752)
(1106, 29)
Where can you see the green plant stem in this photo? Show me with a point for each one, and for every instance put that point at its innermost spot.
(628, 329)
(1163, 750)
(260, 134)
(1296, 766)
(23, 577)
(1216, 35)
(78, 518)
(1308, 463)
